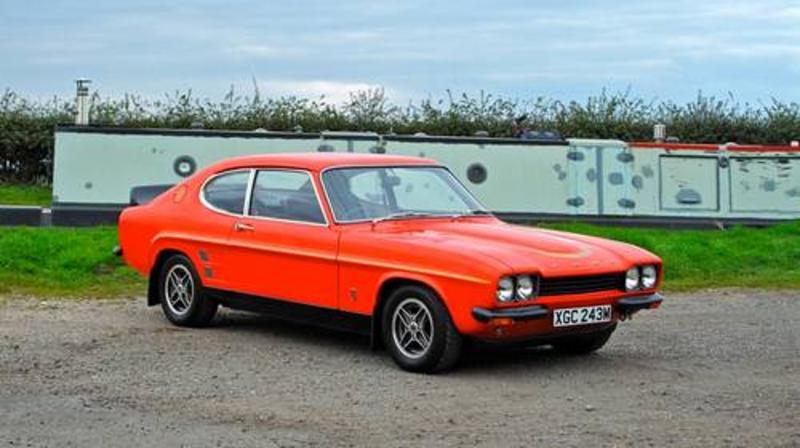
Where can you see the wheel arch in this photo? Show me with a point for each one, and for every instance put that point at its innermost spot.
(386, 288)
(153, 298)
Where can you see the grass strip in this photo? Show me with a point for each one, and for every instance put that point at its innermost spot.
(77, 262)
(23, 194)
(694, 259)
(70, 262)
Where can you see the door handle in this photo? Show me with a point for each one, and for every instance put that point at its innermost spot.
(242, 227)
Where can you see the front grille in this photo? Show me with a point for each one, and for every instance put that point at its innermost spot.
(581, 285)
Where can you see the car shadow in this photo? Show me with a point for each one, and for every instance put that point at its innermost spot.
(296, 332)
(485, 357)
(477, 357)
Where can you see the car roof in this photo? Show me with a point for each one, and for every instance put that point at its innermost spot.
(316, 161)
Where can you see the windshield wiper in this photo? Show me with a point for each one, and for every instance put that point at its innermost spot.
(403, 215)
(474, 213)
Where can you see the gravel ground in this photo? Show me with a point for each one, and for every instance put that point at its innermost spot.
(707, 369)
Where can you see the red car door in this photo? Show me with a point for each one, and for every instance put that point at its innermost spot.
(283, 247)
(223, 198)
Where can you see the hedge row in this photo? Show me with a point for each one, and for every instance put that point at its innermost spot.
(26, 127)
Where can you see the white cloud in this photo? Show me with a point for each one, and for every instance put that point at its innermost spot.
(585, 71)
(334, 92)
(261, 51)
(361, 36)
(513, 47)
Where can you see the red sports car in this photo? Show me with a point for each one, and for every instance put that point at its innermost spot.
(394, 247)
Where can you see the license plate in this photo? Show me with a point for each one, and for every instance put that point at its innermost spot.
(566, 317)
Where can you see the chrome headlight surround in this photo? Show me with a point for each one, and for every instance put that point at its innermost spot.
(527, 287)
(632, 279)
(506, 290)
(517, 288)
(649, 276)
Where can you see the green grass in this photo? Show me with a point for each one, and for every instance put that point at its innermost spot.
(694, 259)
(22, 194)
(63, 262)
(66, 262)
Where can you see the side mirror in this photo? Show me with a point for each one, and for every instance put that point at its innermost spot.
(393, 181)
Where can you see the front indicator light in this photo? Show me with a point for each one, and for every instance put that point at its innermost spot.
(502, 322)
(649, 276)
(505, 289)
(632, 279)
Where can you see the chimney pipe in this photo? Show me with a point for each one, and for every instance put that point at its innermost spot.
(659, 133)
(82, 102)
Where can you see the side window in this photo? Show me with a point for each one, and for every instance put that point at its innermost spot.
(227, 191)
(285, 195)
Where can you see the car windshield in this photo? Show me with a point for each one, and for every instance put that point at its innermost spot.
(379, 193)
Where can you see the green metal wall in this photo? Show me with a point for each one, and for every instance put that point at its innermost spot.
(576, 177)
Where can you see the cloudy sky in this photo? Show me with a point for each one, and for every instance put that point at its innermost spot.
(414, 49)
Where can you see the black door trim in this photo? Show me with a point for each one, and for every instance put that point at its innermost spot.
(295, 312)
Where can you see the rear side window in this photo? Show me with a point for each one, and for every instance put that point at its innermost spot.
(287, 195)
(226, 192)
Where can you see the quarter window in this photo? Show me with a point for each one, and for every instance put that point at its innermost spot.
(227, 191)
(287, 195)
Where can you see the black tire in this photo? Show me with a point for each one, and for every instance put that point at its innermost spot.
(195, 308)
(584, 343)
(444, 345)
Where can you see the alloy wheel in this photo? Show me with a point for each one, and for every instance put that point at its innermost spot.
(179, 289)
(412, 328)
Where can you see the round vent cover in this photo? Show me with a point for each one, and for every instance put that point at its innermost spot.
(476, 173)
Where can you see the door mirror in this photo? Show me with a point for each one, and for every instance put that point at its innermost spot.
(393, 181)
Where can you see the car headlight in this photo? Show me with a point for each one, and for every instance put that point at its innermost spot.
(525, 287)
(632, 279)
(649, 276)
(505, 289)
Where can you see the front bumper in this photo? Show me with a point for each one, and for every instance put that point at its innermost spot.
(626, 305)
(515, 314)
(630, 305)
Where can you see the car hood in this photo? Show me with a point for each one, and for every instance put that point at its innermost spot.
(519, 248)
